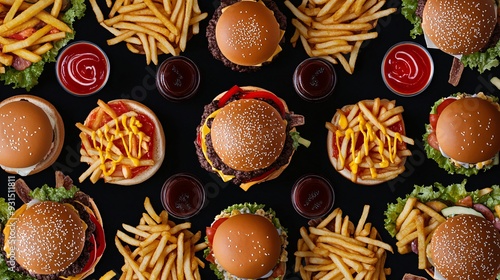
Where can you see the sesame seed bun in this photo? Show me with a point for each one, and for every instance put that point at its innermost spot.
(468, 130)
(50, 236)
(247, 246)
(459, 27)
(248, 134)
(247, 33)
(466, 247)
(32, 134)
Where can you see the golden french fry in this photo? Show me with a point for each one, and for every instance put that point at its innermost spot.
(426, 209)
(497, 210)
(97, 11)
(332, 255)
(25, 15)
(422, 256)
(409, 205)
(12, 11)
(108, 275)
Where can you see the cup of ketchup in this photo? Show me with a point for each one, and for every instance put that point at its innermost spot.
(312, 196)
(182, 195)
(407, 69)
(82, 68)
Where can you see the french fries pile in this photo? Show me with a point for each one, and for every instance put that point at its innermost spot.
(18, 36)
(345, 252)
(151, 27)
(381, 156)
(335, 29)
(417, 221)
(158, 248)
(105, 159)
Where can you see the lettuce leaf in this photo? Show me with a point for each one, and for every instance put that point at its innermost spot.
(408, 8)
(483, 60)
(5, 211)
(437, 191)
(47, 193)
(28, 78)
(8, 274)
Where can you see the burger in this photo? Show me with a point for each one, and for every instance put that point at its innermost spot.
(32, 134)
(247, 136)
(22, 73)
(463, 134)
(247, 242)
(469, 29)
(246, 34)
(466, 245)
(137, 148)
(56, 234)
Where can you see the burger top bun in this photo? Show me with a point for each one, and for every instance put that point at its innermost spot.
(466, 247)
(459, 26)
(32, 134)
(247, 33)
(247, 246)
(248, 134)
(468, 130)
(48, 231)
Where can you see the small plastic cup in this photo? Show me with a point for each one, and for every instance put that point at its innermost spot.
(178, 78)
(314, 79)
(312, 196)
(182, 195)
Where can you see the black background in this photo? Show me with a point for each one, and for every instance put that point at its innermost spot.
(132, 78)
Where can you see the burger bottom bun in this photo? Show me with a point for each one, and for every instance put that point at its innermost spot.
(158, 140)
(276, 173)
(56, 121)
(347, 173)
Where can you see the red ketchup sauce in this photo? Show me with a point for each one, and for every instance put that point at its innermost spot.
(314, 79)
(182, 195)
(312, 196)
(82, 68)
(177, 78)
(407, 69)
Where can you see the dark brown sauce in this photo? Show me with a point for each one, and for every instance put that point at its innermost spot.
(312, 196)
(314, 79)
(178, 78)
(182, 196)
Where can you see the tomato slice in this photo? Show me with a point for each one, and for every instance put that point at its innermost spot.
(232, 91)
(466, 201)
(99, 237)
(444, 104)
(210, 231)
(432, 140)
(433, 118)
(93, 255)
(266, 95)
